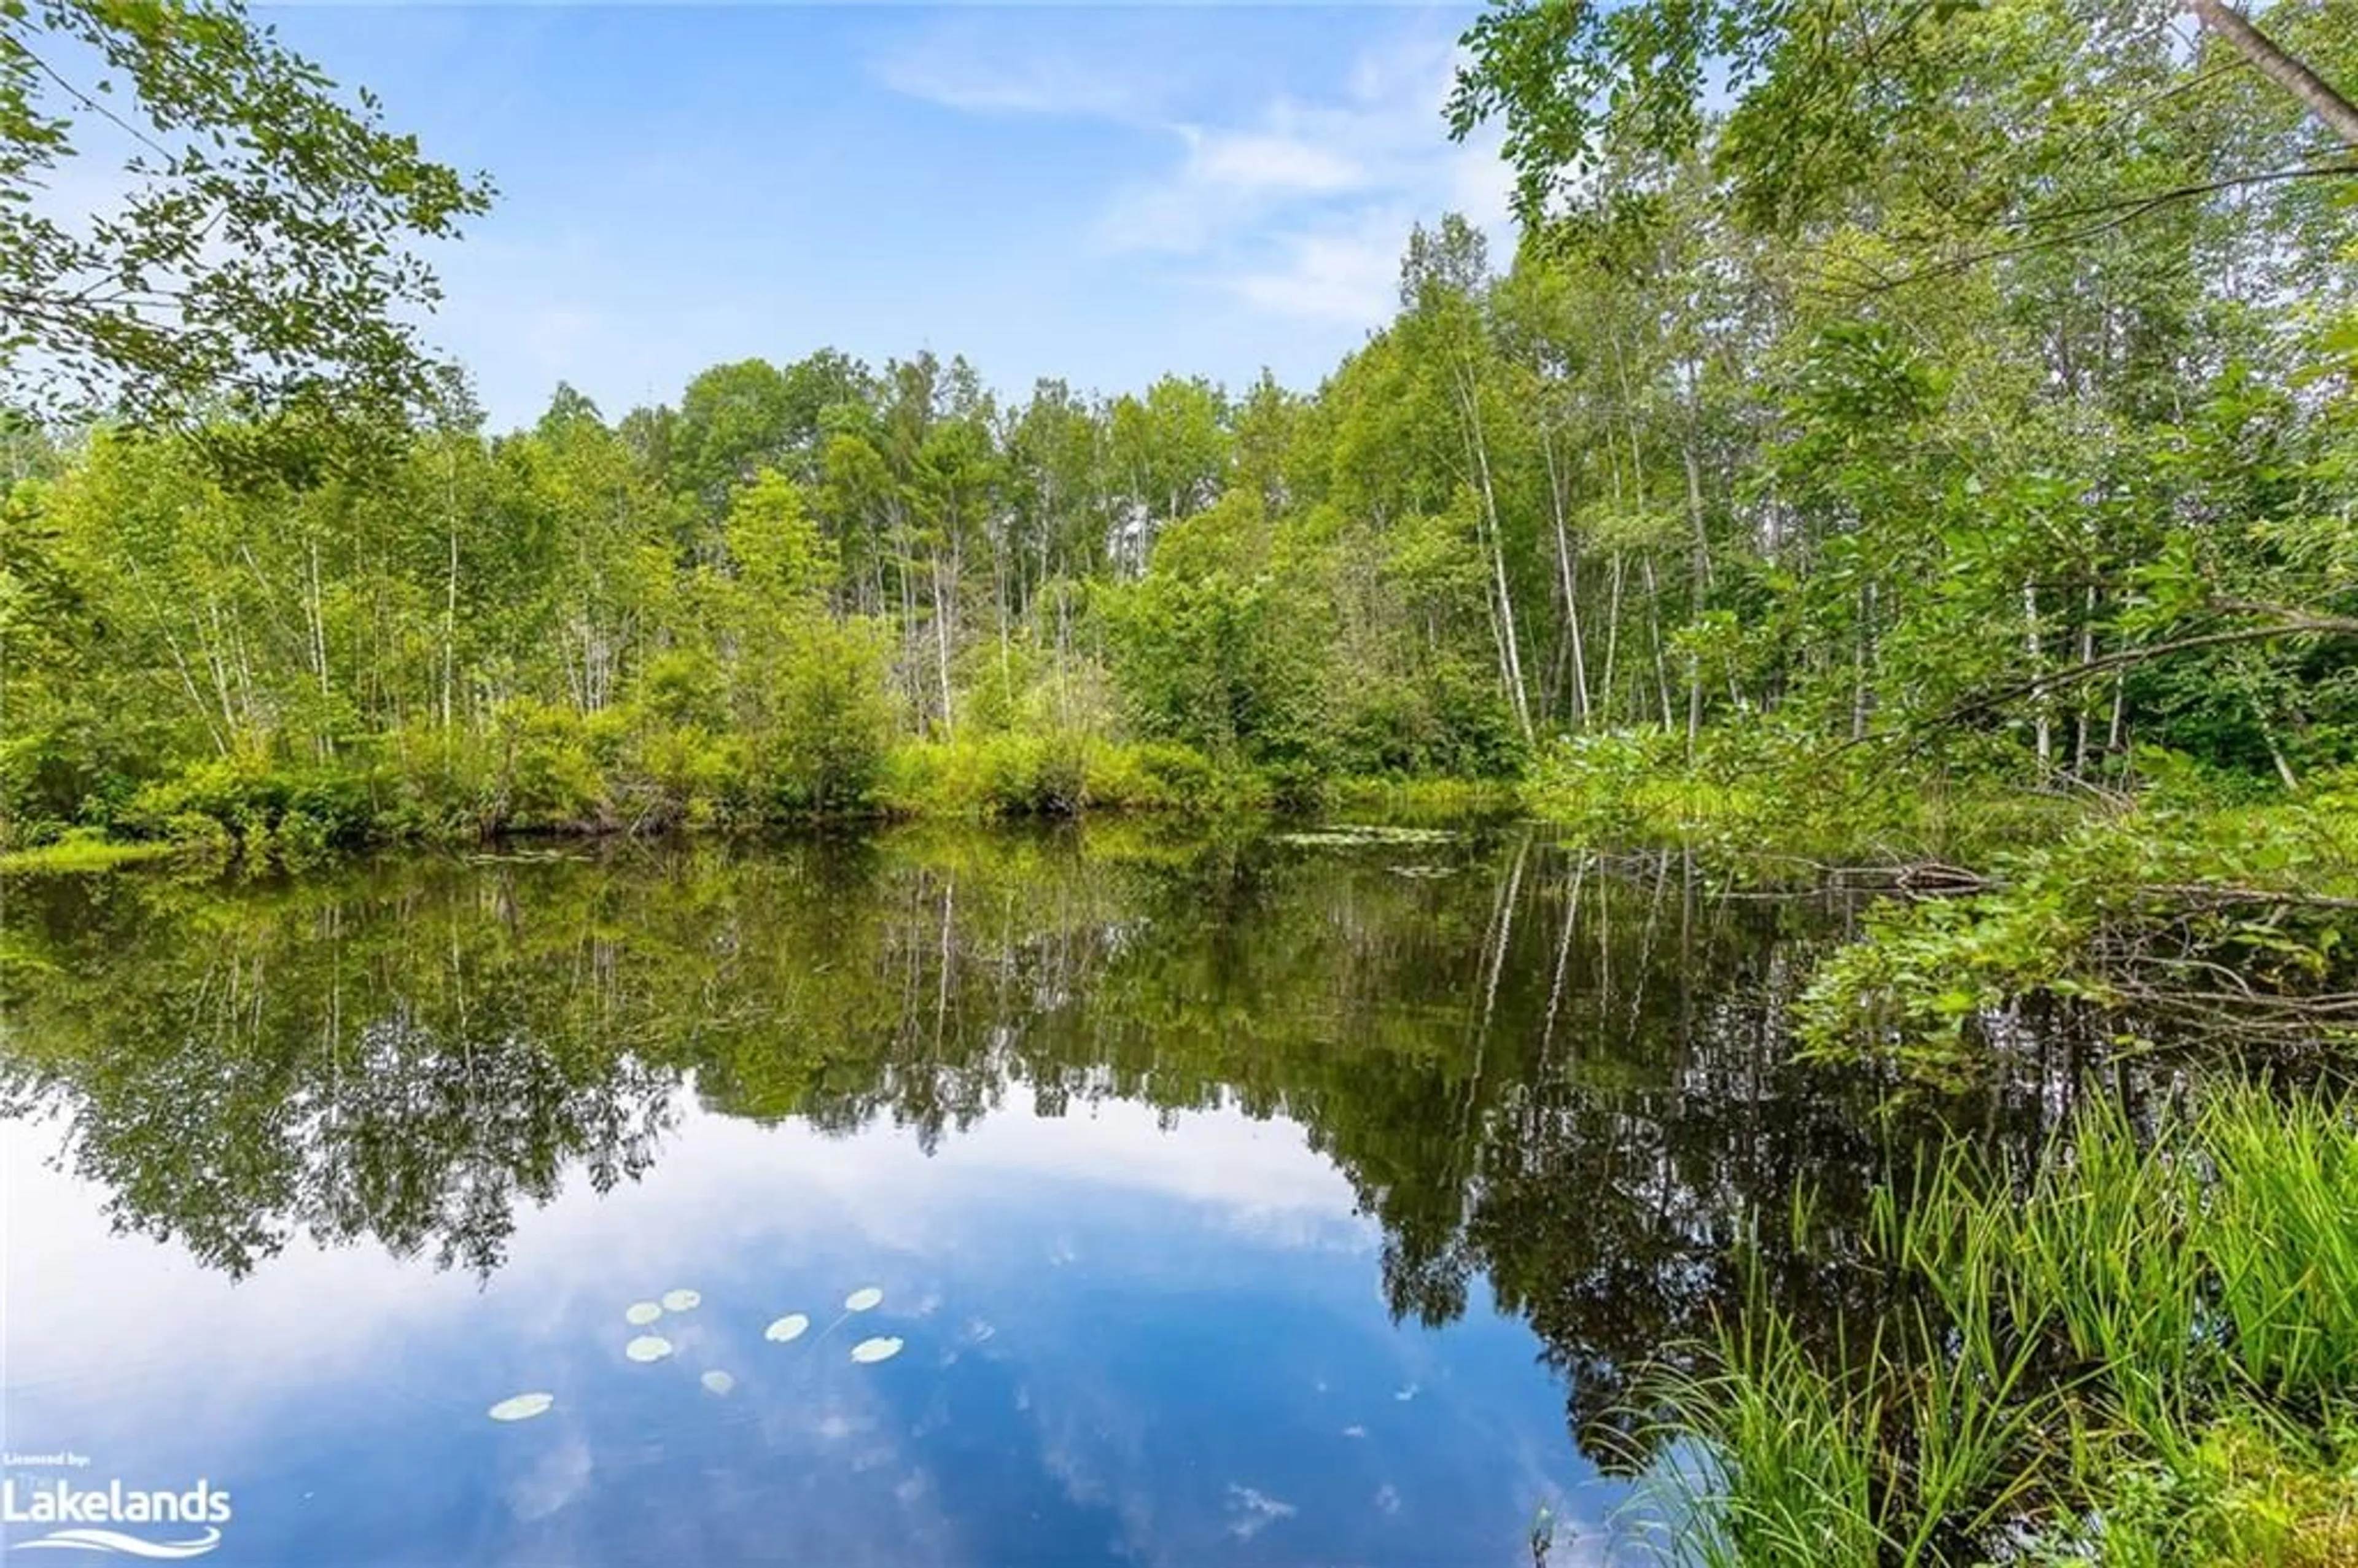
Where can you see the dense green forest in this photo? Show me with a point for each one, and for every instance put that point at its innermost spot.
(2024, 456)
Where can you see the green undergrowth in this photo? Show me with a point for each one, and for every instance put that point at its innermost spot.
(1778, 807)
(2142, 1349)
(84, 852)
(2172, 907)
(2230, 926)
(1423, 802)
(1012, 775)
(556, 775)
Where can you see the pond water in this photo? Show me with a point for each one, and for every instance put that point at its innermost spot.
(1283, 1198)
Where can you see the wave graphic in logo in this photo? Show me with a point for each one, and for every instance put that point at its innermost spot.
(115, 1540)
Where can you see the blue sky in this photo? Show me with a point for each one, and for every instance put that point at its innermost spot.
(1099, 193)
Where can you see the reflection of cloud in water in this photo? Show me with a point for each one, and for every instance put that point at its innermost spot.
(1251, 1511)
(949, 1233)
(1092, 1444)
(325, 1309)
(1300, 1230)
(554, 1480)
(853, 1440)
(1580, 1548)
(326, 1319)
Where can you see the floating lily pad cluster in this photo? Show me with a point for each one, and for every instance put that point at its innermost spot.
(1353, 835)
(868, 1350)
(655, 1347)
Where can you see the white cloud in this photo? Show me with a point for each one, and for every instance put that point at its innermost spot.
(1301, 207)
(1276, 161)
(1297, 205)
(1347, 272)
(964, 68)
(1229, 183)
(1041, 87)
(1482, 187)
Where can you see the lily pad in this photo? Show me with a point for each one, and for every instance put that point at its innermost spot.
(638, 1314)
(523, 1407)
(647, 1347)
(789, 1327)
(719, 1382)
(862, 1299)
(1350, 834)
(679, 1301)
(871, 1350)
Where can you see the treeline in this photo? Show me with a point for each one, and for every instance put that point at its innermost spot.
(2041, 504)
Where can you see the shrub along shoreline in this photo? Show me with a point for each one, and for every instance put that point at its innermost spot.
(258, 814)
(1774, 808)
(2176, 903)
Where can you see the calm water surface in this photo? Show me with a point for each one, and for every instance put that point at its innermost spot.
(1296, 1199)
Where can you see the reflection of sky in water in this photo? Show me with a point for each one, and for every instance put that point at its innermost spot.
(1122, 1346)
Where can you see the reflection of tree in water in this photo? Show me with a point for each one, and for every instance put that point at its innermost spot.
(1626, 1114)
(233, 1076)
(1568, 1077)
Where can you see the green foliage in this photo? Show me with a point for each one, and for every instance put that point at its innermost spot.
(1771, 802)
(2249, 1492)
(1632, 784)
(1825, 98)
(257, 253)
(81, 850)
(1219, 651)
(307, 812)
(2131, 1350)
(1792, 1478)
(1945, 454)
(2237, 926)
(545, 776)
(1025, 774)
(834, 718)
(1161, 776)
(992, 775)
(1923, 978)
(1414, 801)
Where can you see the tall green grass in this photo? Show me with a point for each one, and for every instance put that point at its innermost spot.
(2144, 1349)
(80, 852)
